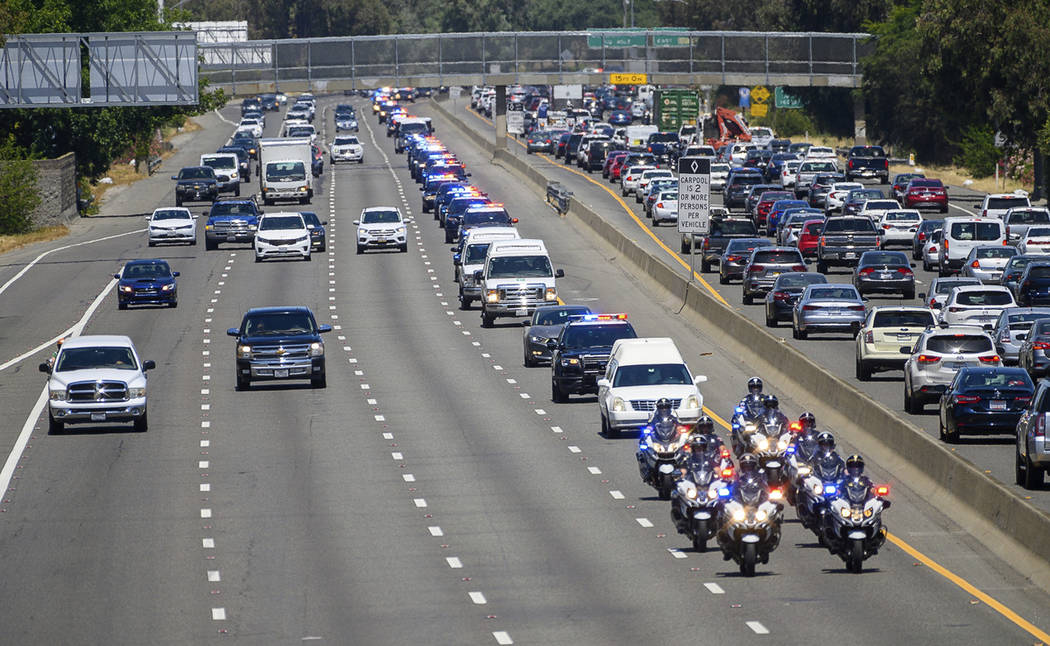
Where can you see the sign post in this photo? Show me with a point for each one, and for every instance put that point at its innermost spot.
(694, 201)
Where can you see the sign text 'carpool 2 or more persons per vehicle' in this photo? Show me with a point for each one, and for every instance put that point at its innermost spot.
(694, 195)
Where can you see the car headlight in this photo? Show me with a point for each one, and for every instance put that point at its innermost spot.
(126, 289)
(537, 339)
(619, 405)
(571, 361)
(761, 515)
(168, 287)
(302, 189)
(401, 229)
(844, 512)
(492, 296)
(691, 402)
(551, 295)
(233, 175)
(739, 515)
(58, 394)
(262, 240)
(137, 392)
(244, 352)
(303, 238)
(207, 227)
(251, 227)
(316, 349)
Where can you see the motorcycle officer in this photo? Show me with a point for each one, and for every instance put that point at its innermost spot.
(831, 464)
(753, 399)
(772, 418)
(716, 450)
(855, 477)
(663, 425)
(806, 439)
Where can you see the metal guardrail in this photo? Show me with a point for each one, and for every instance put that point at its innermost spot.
(153, 164)
(558, 197)
(796, 58)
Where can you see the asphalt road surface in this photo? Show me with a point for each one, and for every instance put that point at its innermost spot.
(432, 493)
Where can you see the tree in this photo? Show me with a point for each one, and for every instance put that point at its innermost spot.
(18, 192)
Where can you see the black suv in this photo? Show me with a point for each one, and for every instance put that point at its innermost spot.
(196, 184)
(580, 353)
(279, 343)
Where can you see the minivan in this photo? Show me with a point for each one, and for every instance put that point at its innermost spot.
(963, 234)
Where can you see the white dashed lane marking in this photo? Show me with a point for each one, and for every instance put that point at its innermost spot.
(714, 588)
(757, 628)
(644, 522)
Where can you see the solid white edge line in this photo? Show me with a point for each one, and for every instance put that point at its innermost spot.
(21, 273)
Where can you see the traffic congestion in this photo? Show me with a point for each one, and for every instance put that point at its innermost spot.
(367, 432)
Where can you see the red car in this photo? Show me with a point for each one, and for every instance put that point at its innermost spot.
(809, 237)
(765, 202)
(612, 158)
(616, 167)
(923, 192)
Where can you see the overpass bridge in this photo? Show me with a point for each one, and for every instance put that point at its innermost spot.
(665, 56)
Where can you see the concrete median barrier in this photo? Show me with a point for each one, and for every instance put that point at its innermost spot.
(999, 517)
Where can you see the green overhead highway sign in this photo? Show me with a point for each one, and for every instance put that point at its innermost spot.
(783, 99)
(619, 38)
(675, 108)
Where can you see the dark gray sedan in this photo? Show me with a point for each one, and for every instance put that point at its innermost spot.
(1034, 353)
(885, 271)
(546, 324)
(785, 291)
(737, 253)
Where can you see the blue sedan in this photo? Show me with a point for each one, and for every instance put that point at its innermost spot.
(620, 118)
(984, 400)
(147, 282)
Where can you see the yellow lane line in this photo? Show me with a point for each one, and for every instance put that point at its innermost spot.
(714, 293)
(957, 580)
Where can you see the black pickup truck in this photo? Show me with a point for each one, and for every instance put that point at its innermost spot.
(279, 343)
(711, 246)
(867, 162)
(843, 241)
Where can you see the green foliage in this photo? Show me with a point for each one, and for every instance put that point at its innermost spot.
(18, 193)
(977, 151)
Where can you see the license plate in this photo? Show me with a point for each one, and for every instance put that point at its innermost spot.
(280, 373)
(521, 311)
(381, 241)
(98, 417)
(903, 337)
(171, 234)
(997, 405)
(849, 255)
(956, 365)
(231, 238)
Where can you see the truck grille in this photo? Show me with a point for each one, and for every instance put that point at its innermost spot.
(230, 226)
(650, 404)
(595, 363)
(526, 292)
(97, 391)
(281, 352)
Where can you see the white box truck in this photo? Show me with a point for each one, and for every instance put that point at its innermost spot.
(285, 170)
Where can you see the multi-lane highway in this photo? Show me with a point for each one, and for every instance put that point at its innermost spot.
(431, 493)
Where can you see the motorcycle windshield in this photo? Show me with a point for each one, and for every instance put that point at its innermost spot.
(856, 492)
(827, 468)
(665, 431)
(750, 492)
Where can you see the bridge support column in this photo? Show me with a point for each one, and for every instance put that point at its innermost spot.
(860, 120)
(499, 117)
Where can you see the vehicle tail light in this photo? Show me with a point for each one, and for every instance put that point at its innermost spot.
(1041, 345)
(659, 205)
(992, 358)
(856, 308)
(933, 301)
(781, 296)
(1004, 242)
(707, 243)
(866, 271)
(733, 258)
(821, 241)
(955, 309)
(967, 399)
(904, 271)
(886, 164)
(810, 308)
(851, 163)
(945, 244)
(869, 337)
(1040, 426)
(1023, 398)
(727, 473)
(887, 226)
(984, 213)
(928, 358)
(798, 268)
(758, 267)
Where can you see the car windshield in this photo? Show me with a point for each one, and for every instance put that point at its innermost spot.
(773, 196)
(220, 162)
(520, 267)
(345, 141)
(777, 257)
(380, 217)
(998, 252)
(958, 343)
(1024, 320)
(159, 269)
(109, 357)
(669, 196)
(905, 318)
(998, 378)
(301, 131)
(747, 180)
(1039, 271)
(281, 223)
(278, 324)
(310, 218)
(475, 253)
(413, 128)
(742, 245)
(799, 279)
(661, 374)
(171, 214)
(976, 230)
(926, 183)
(853, 225)
(559, 315)
(1038, 232)
(473, 218)
(204, 172)
(880, 204)
(590, 336)
(1006, 202)
(814, 228)
(902, 216)
(884, 258)
(816, 166)
(663, 137)
(232, 208)
(733, 227)
(945, 286)
(1028, 217)
(867, 151)
(834, 294)
(291, 171)
(984, 299)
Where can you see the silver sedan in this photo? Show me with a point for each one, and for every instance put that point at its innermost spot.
(832, 307)
(986, 262)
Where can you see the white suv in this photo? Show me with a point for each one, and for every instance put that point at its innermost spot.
(937, 356)
(631, 178)
(282, 235)
(976, 305)
(96, 379)
(347, 148)
(172, 224)
(381, 227)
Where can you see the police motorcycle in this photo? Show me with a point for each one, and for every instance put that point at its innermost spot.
(800, 454)
(751, 518)
(696, 502)
(771, 441)
(659, 449)
(820, 487)
(853, 527)
(745, 417)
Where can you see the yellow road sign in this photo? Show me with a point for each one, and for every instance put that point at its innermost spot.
(759, 109)
(760, 94)
(628, 79)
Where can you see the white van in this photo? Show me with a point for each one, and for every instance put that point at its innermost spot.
(517, 278)
(470, 257)
(638, 137)
(226, 167)
(640, 372)
(963, 234)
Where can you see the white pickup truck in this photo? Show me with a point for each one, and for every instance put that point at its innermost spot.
(96, 379)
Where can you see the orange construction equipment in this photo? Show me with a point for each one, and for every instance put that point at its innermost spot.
(731, 128)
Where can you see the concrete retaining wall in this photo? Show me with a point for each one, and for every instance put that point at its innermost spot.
(57, 186)
(965, 484)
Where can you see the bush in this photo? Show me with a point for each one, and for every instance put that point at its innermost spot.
(785, 122)
(18, 193)
(977, 151)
